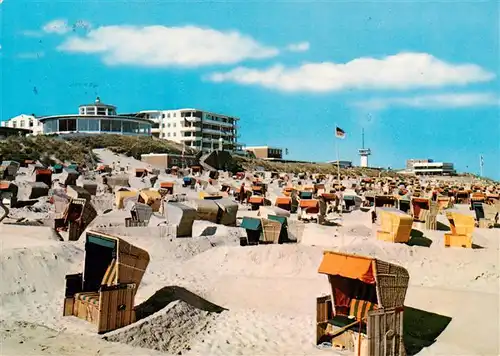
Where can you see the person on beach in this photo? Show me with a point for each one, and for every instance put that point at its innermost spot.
(242, 195)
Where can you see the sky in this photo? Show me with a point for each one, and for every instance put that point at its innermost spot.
(421, 78)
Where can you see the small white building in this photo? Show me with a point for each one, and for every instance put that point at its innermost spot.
(28, 122)
(195, 128)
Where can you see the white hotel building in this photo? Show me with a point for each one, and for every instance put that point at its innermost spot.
(28, 122)
(195, 128)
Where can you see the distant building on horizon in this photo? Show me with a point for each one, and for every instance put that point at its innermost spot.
(265, 152)
(429, 167)
(27, 122)
(411, 162)
(196, 128)
(341, 164)
(96, 118)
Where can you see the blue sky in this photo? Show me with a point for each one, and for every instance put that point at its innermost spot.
(421, 78)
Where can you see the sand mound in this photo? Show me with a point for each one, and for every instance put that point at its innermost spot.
(173, 329)
(287, 260)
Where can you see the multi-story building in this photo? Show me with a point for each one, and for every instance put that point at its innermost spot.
(97, 118)
(265, 152)
(28, 122)
(195, 128)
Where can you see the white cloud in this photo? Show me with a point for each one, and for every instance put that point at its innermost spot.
(167, 46)
(401, 71)
(58, 26)
(31, 55)
(298, 47)
(447, 100)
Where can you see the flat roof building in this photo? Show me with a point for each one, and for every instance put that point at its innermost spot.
(411, 162)
(433, 168)
(196, 128)
(342, 164)
(265, 152)
(97, 118)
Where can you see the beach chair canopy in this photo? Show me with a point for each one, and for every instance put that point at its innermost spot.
(122, 196)
(206, 210)
(229, 210)
(253, 224)
(256, 200)
(305, 194)
(355, 277)
(182, 216)
(166, 184)
(283, 201)
(308, 203)
(100, 251)
(118, 181)
(384, 200)
(329, 197)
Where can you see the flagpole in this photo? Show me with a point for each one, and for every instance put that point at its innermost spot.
(337, 150)
(481, 165)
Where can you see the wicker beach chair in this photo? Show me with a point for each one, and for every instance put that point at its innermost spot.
(395, 225)
(169, 186)
(104, 293)
(462, 227)
(364, 311)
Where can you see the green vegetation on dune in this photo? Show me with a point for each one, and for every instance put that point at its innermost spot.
(129, 145)
(323, 168)
(57, 149)
(46, 149)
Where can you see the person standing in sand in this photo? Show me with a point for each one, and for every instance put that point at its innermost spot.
(242, 195)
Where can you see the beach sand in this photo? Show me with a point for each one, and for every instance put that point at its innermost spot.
(267, 292)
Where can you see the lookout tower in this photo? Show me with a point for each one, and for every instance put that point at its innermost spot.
(363, 152)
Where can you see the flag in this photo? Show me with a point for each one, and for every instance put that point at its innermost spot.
(481, 162)
(339, 132)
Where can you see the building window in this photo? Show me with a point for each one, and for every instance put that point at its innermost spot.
(116, 125)
(162, 116)
(67, 125)
(31, 123)
(168, 125)
(106, 125)
(174, 124)
(90, 111)
(175, 114)
(83, 124)
(168, 115)
(21, 123)
(50, 126)
(168, 134)
(14, 124)
(175, 134)
(101, 111)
